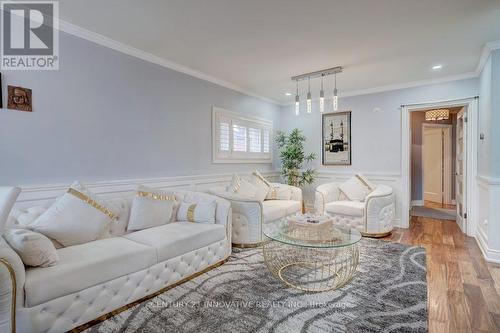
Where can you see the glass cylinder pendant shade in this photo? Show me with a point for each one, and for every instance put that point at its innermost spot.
(321, 101)
(297, 105)
(309, 103)
(335, 100)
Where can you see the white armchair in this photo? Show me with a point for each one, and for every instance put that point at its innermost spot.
(249, 214)
(372, 217)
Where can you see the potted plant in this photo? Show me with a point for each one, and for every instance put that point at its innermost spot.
(293, 158)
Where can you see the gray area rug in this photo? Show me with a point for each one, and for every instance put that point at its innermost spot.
(434, 213)
(388, 293)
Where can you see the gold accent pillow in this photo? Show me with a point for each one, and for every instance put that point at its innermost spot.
(77, 217)
(279, 192)
(150, 208)
(201, 212)
(242, 187)
(261, 184)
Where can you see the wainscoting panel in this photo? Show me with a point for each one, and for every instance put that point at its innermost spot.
(40, 195)
(43, 194)
(488, 224)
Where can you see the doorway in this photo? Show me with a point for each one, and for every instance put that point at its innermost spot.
(464, 165)
(432, 167)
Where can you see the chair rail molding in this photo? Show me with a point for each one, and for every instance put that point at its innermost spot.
(40, 194)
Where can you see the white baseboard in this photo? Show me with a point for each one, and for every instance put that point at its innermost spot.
(417, 203)
(490, 255)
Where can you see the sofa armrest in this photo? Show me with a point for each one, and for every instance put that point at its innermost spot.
(245, 212)
(12, 277)
(324, 194)
(380, 209)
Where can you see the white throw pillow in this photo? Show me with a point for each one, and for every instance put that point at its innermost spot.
(202, 212)
(75, 218)
(242, 187)
(279, 192)
(355, 189)
(34, 248)
(150, 208)
(261, 184)
(366, 182)
(8, 196)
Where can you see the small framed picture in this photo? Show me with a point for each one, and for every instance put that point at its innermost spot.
(19, 98)
(336, 138)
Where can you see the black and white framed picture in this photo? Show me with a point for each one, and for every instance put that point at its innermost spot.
(336, 138)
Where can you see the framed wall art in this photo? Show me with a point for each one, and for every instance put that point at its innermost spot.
(19, 98)
(336, 137)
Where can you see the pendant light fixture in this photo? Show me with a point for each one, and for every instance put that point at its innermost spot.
(321, 97)
(335, 96)
(309, 101)
(313, 75)
(437, 115)
(297, 100)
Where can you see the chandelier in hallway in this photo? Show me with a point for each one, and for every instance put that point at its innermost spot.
(438, 114)
(315, 75)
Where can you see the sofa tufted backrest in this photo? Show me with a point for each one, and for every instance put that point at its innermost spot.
(21, 217)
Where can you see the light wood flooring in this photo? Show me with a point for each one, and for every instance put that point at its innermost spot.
(463, 290)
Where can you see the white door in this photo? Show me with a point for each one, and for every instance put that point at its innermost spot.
(432, 142)
(461, 170)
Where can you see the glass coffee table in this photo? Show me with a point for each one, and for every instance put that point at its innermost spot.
(309, 253)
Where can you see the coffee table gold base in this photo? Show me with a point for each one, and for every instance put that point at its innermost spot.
(311, 269)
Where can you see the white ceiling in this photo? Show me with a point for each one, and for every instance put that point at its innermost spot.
(259, 44)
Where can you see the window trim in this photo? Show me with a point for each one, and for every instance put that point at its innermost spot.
(254, 122)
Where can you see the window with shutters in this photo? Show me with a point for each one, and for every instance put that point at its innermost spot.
(240, 139)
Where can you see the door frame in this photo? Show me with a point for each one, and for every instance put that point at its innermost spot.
(471, 106)
(447, 166)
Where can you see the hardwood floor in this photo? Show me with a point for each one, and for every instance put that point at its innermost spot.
(463, 290)
(431, 204)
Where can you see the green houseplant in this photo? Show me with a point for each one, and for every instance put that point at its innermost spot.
(293, 158)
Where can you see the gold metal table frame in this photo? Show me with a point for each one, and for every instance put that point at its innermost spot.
(309, 258)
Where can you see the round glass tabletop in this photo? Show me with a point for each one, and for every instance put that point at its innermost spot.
(310, 231)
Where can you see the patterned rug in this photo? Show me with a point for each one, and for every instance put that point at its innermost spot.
(388, 293)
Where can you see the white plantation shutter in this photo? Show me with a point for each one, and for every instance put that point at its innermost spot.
(254, 137)
(240, 139)
(265, 144)
(224, 136)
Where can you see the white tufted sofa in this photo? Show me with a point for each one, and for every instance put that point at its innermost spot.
(249, 214)
(99, 277)
(372, 217)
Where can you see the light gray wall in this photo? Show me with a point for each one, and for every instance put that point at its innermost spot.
(485, 115)
(105, 115)
(495, 115)
(376, 136)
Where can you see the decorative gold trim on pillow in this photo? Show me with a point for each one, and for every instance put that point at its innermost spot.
(258, 175)
(190, 213)
(273, 193)
(364, 183)
(237, 186)
(155, 196)
(93, 203)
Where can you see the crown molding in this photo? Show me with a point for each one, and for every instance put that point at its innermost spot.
(399, 86)
(487, 49)
(99, 39)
